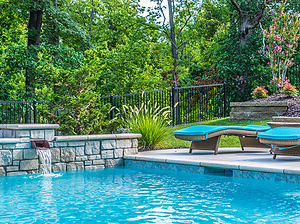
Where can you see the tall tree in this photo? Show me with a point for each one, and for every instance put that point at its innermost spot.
(34, 32)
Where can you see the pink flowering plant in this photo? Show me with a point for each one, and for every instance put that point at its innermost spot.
(259, 92)
(289, 90)
(282, 40)
(282, 86)
(275, 86)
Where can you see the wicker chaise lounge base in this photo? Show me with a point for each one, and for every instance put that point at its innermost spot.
(283, 140)
(206, 137)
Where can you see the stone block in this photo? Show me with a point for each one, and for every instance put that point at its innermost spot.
(79, 151)
(131, 151)
(22, 133)
(29, 164)
(16, 163)
(55, 155)
(88, 163)
(113, 162)
(59, 167)
(2, 172)
(12, 168)
(67, 154)
(9, 146)
(94, 167)
(99, 162)
(37, 134)
(92, 147)
(90, 167)
(94, 157)
(71, 166)
(135, 143)
(107, 154)
(23, 145)
(30, 154)
(286, 119)
(8, 134)
(5, 158)
(26, 139)
(108, 144)
(81, 158)
(60, 144)
(118, 153)
(79, 165)
(76, 143)
(49, 135)
(121, 144)
(16, 173)
(17, 154)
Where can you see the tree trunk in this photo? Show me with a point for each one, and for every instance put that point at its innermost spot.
(34, 30)
(173, 41)
(176, 109)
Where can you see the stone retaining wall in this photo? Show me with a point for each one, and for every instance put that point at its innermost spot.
(249, 111)
(68, 152)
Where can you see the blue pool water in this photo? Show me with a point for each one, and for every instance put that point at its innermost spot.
(139, 195)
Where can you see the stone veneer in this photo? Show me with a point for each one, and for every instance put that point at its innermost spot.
(249, 111)
(68, 152)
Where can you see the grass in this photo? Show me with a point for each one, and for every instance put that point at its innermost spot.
(226, 141)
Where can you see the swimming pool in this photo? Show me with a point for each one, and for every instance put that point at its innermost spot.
(140, 195)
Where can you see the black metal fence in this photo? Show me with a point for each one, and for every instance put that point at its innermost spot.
(20, 112)
(187, 104)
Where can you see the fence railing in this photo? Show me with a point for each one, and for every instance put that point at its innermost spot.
(19, 112)
(187, 104)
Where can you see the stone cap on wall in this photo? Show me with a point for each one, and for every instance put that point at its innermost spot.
(283, 124)
(9, 140)
(28, 126)
(259, 104)
(286, 119)
(97, 137)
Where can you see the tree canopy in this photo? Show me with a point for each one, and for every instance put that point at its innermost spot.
(128, 48)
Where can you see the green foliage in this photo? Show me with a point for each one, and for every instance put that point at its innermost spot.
(76, 107)
(259, 92)
(149, 121)
(282, 40)
(289, 90)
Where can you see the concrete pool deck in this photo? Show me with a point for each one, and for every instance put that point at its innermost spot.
(252, 159)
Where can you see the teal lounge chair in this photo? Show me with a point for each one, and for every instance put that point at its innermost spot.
(282, 140)
(206, 137)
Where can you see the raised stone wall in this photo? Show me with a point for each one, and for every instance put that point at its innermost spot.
(68, 152)
(249, 111)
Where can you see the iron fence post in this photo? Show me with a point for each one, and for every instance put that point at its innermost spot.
(224, 95)
(111, 107)
(173, 104)
(34, 111)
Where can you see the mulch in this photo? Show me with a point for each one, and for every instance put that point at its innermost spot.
(293, 103)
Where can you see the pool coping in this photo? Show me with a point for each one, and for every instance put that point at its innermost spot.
(221, 164)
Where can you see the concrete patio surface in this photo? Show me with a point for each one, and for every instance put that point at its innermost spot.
(252, 159)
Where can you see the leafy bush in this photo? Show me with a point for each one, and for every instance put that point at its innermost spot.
(259, 92)
(289, 90)
(76, 107)
(148, 121)
(282, 86)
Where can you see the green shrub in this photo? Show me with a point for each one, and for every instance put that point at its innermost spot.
(259, 92)
(149, 121)
(76, 107)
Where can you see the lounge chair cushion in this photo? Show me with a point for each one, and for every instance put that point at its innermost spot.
(207, 129)
(281, 133)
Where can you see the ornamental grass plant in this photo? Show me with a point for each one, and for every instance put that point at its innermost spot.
(150, 121)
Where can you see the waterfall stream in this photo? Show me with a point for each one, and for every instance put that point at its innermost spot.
(45, 158)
